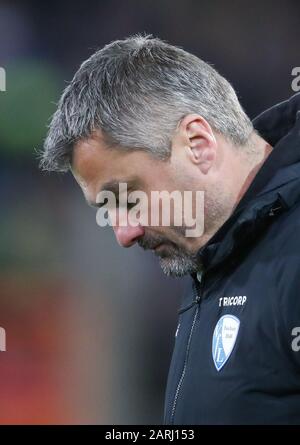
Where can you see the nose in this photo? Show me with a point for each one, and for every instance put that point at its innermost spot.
(128, 235)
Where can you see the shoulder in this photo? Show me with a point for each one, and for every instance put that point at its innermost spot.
(285, 264)
(285, 232)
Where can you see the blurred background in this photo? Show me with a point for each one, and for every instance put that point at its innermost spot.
(90, 326)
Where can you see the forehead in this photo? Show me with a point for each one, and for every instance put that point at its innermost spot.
(94, 164)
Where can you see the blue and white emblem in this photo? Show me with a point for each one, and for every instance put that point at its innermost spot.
(224, 339)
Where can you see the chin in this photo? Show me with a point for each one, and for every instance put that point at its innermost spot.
(177, 268)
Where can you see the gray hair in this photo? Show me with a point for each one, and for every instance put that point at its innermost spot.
(136, 91)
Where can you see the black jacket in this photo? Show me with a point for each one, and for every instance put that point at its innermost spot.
(236, 357)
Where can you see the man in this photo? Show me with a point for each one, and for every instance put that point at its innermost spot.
(155, 117)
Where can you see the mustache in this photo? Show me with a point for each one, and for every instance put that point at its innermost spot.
(151, 241)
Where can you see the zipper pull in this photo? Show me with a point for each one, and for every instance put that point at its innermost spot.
(197, 299)
(200, 276)
(198, 285)
(196, 290)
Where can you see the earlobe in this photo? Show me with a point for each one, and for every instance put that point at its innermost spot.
(208, 156)
(203, 157)
(202, 150)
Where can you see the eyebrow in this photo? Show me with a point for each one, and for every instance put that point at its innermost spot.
(113, 186)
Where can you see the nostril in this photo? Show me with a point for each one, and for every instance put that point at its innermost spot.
(128, 236)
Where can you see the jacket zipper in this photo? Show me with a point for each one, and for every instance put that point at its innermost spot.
(197, 288)
(195, 301)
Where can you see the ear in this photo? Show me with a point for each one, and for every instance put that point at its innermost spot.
(200, 141)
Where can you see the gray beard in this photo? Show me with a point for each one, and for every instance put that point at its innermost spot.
(174, 260)
(178, 266)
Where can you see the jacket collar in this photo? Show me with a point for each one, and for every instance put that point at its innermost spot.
(275, 188)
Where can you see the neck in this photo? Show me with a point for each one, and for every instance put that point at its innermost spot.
(259, 151)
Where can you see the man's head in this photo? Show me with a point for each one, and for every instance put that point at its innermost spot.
(151, 115)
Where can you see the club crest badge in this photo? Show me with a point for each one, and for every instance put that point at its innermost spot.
(224, 338)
